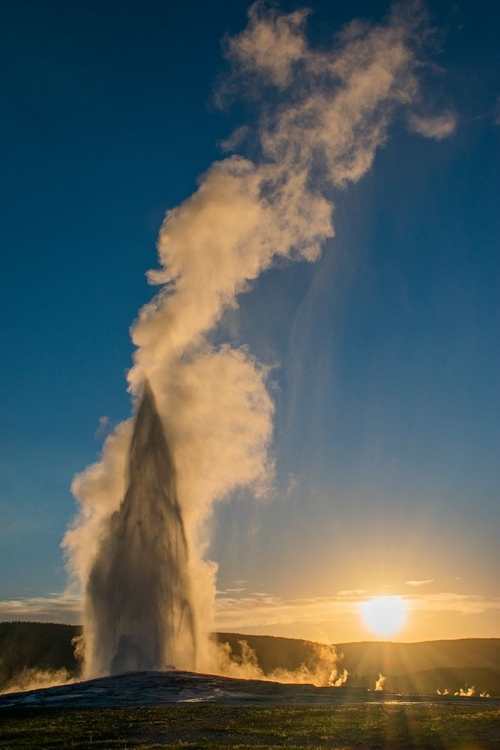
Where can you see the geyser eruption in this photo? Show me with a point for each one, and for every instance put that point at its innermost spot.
(138, 593)
(138, 544)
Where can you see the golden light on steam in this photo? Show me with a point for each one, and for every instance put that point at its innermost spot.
(384, 615)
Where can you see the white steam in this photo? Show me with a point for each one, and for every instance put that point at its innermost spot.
(324, 115)
(466, 692)
(35, 679)
(321, 669)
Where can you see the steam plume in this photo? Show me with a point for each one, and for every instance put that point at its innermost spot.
(321, 669)
(34, 679)
(324, 114)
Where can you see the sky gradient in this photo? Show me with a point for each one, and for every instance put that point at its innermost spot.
(385, 352)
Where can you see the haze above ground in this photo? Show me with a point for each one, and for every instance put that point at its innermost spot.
(386, 350)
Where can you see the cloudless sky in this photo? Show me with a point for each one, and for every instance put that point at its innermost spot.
(386, 351)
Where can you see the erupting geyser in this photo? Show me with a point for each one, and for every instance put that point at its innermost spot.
(146, 502)
(138, 590)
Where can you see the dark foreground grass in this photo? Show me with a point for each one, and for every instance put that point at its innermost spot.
(367, 726)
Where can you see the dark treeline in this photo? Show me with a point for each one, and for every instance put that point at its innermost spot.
(408, 667)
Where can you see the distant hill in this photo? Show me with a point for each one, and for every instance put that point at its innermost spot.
(401, 658)
(408, 667)
(374, 656)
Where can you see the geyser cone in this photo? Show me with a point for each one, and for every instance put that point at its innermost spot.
(139, 613)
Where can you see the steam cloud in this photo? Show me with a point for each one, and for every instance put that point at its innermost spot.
(204, 423)
(34, 679)
(466, 692)
(322, 669)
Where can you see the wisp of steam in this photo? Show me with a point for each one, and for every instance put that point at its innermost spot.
(203, 414)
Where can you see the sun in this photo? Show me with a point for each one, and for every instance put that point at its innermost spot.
(384, 615)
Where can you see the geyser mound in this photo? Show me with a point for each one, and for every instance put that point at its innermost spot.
(138, 594)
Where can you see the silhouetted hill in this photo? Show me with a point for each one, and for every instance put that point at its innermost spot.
(401, 658)
(373, 656)
(408, 667)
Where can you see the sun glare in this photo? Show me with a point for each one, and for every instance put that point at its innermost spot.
(384, 615)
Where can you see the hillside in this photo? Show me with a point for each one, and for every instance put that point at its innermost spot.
(408, 667)
(374, 657)
(401, 658)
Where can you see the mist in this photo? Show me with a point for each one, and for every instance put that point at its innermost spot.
(36, 679)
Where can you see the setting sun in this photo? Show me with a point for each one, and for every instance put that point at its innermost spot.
(384, 615)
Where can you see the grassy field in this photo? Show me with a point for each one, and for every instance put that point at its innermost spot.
(367, 726)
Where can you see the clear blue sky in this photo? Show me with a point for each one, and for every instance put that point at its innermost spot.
(387, 351)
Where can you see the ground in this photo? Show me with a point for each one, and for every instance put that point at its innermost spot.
(367, 726)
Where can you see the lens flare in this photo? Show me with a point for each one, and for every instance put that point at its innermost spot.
(384, 615)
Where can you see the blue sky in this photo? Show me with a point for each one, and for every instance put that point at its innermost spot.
(385, 351)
